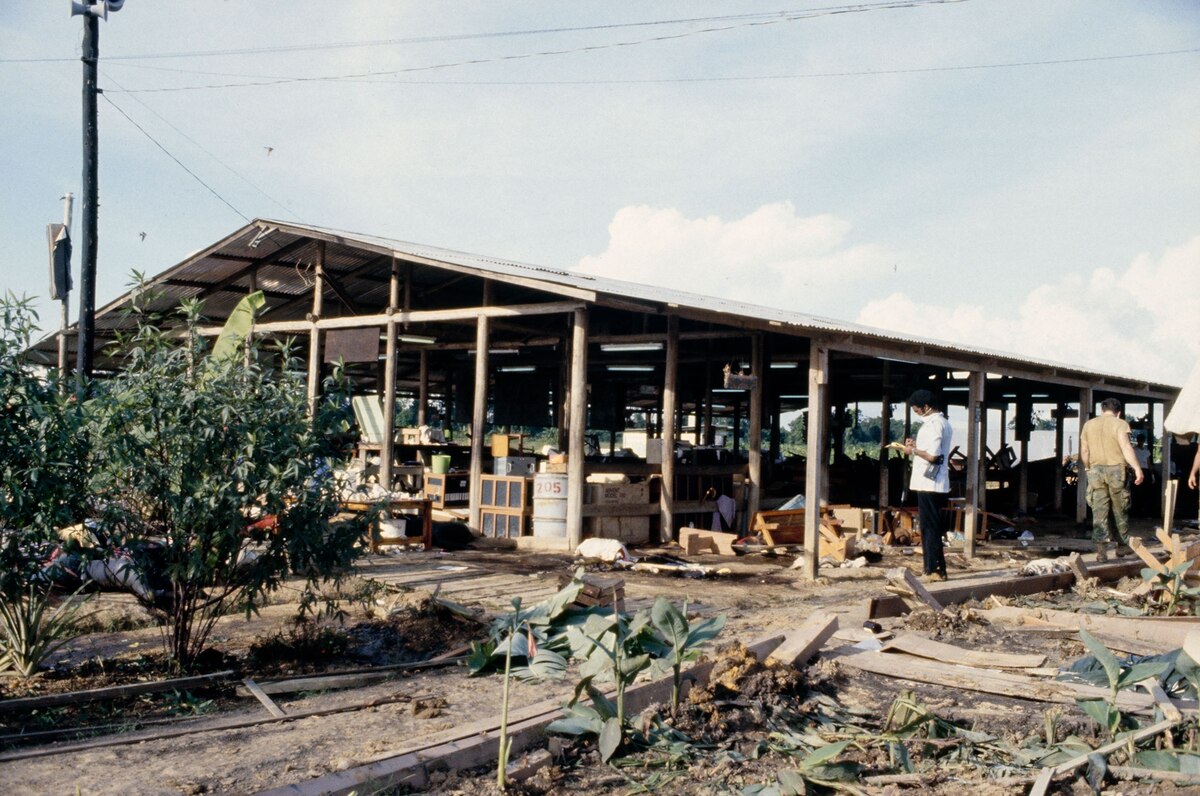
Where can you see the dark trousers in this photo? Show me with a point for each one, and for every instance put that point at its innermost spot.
(930, 507)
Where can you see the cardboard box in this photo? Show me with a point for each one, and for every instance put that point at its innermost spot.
(619, 494)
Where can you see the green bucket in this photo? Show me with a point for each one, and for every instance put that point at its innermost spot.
(441, 464)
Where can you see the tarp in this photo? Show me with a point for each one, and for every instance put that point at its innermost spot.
(1184, 417)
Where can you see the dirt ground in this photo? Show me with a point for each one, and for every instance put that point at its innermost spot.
(760, 596)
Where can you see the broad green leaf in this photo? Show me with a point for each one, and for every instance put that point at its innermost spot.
(1157, 759)
(791, 783)
(610, 739)
(1097, 770)
(706, 630)
(1097, 709)
(669, 621)
(1112, 667)
(234, 332)
(824, 754)
(1140, 671)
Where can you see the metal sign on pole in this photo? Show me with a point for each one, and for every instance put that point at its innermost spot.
(58, 236)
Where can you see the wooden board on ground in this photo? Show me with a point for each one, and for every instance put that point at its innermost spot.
(1006, 584)
(1077, 565)
(1163, 635)
(905, 583)
(476, 744)
(923, 647)
(804, 642)
(987, 681)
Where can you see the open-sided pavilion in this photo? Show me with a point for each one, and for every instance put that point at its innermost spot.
(474, 335)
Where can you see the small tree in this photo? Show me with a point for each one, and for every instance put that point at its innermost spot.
(43, 472)
(214, 475)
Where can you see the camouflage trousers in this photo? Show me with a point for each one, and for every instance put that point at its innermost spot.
(1108, 497)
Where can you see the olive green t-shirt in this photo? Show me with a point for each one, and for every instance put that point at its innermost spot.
(1101, 435)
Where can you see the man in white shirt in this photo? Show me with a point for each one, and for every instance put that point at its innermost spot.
(930, 479)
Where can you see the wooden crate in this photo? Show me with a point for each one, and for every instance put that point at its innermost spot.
(448, 489)
(506, 493)
(501, 524)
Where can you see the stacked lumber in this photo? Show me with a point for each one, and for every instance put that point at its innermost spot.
(787, 527)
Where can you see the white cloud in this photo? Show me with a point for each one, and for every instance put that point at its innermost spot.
(771, 256)
(1141, 321)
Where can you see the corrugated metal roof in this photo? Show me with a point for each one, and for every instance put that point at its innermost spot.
(262, 239)
(662, 295)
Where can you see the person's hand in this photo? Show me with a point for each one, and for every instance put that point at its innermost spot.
(910, 446)
(1137, 479)
(1192, 481)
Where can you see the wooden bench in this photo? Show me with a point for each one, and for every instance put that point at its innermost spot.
(787, 527)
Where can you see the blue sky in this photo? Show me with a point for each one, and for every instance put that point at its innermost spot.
(892, 166)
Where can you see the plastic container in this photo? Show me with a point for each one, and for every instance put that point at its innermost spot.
(550, 505)
(440, 464)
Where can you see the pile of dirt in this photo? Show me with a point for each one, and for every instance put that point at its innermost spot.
(742, 693)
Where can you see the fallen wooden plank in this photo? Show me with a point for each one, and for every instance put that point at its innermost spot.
(1161, 634)
(266, 701)
(1140, 549)
(1130, 774)
(1154, 689)
(922, 647)
(352, 678)
(804, 642)
(115, 692)
(478, 743)
(988, 681)
(140, 737)
(903, 578)
(1114, 643)
(1009, 584)
(1048, 774)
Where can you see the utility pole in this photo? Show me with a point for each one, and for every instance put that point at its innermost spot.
(92, 14)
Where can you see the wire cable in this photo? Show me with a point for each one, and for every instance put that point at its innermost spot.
(289, 48)
(193, 174)
(199, 146)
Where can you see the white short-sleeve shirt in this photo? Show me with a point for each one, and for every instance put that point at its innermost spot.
(934, 437)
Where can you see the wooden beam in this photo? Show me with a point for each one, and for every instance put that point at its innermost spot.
(1006, 584)
(815, 472)
(903, 580)
(314, 333)
(1085, 413)
(1050, 773)
(1059, 432)
(975, 446)
(1161, 633)
(113, 692)
(475, 744)
(754, 443)
(670, 402)
(263, 699)
(388, 454)
(479, 419)
(578, 427)
(922, 647)
(804, 642)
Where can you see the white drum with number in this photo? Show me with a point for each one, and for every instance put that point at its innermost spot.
(550, 505)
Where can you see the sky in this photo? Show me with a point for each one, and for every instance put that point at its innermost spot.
(1017, 175)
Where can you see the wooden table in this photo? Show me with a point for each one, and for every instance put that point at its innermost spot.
(424, 504)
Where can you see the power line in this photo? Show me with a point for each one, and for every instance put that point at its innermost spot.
(373, 77)
(199, 146)
(746, 18)
(193, 174)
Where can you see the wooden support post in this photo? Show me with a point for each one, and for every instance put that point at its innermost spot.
(251, 287)
(815, 468)
(423, 388)
(975, 407)
(578, 420)
(388, 454)
(885, 426)
(1085, 413)
(983, 460)
(314, 334)
(708, 437)
(1059, 411)
(754, 443)
(478, 419)
(666, 504)
(1164, 475)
